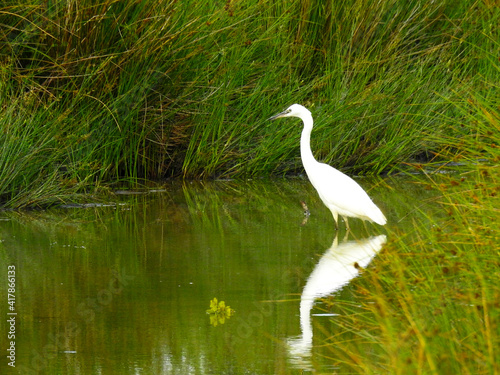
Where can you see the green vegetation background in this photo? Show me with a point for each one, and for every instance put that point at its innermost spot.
(93, 93)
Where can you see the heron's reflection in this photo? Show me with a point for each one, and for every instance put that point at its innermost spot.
(338, 265)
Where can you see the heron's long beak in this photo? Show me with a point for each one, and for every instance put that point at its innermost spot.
(281, 114)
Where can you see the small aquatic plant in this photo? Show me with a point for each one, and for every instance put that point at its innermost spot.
(219, 312)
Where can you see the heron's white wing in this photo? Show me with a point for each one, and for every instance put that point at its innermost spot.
(341, 191)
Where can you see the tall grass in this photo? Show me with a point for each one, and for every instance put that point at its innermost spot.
(157, 89)
(430, 303)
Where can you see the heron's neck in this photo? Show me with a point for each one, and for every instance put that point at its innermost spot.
(305, 142)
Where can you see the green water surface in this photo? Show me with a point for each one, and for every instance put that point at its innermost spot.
(124, 288)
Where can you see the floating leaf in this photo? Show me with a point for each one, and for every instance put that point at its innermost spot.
(213, 307)
(219, 312)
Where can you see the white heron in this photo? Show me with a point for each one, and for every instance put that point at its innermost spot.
(340, 193)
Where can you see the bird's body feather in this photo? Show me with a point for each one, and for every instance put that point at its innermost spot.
(333, 186)
(339, 192)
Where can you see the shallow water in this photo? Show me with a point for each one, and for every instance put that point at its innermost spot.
(124, 288)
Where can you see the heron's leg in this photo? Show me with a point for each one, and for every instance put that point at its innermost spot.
(335, 243)
(346, 223)
(336, 218)
(346, 235)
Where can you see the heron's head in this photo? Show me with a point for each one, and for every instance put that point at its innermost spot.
(295, 110)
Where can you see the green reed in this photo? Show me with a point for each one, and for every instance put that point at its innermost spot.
(152, 90)
(429, 302)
